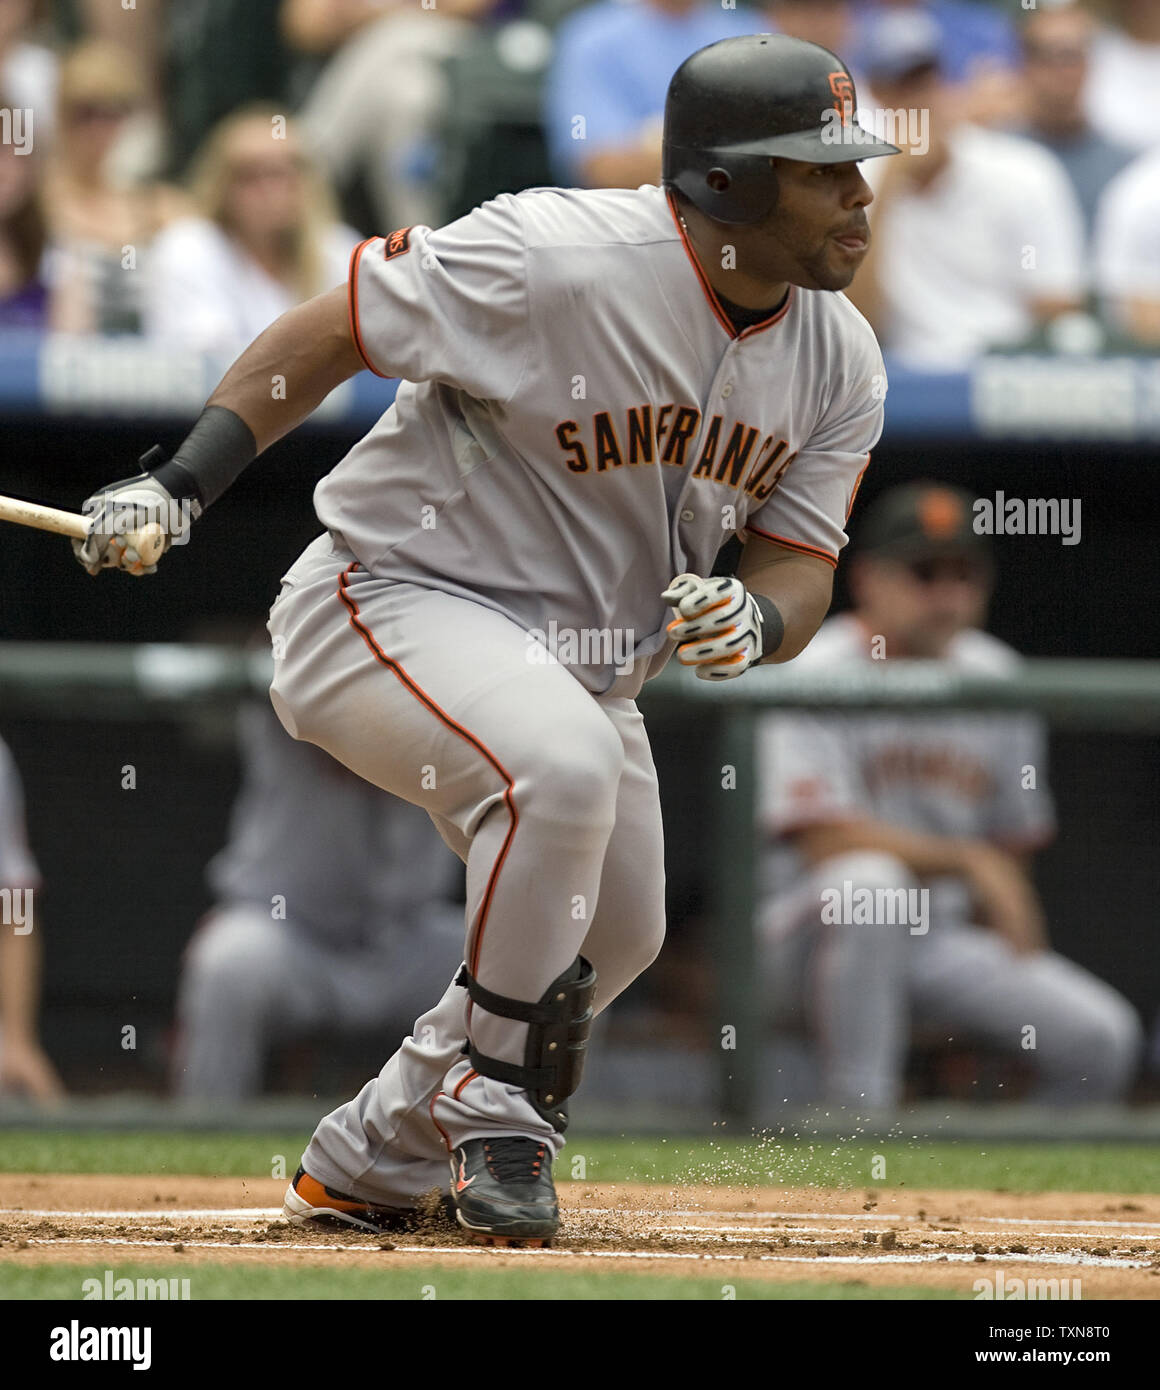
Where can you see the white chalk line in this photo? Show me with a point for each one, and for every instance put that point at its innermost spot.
(157, 1214)
(260, 1214)
(653, 1214)
(871, 1216)
(814, 1261)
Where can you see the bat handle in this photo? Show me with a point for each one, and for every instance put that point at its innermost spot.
(149, 542)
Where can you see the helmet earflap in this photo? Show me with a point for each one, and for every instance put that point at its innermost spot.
(745, 192)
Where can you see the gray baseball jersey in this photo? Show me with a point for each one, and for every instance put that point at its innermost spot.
(580, 422)
(18, 868)
(941, 773)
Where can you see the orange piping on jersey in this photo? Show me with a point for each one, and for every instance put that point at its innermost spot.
(769, 322)
(435, 1122)
(794, 545)
(421, 695)
(352, 303)
(471, 1075)
(710, 294)
(857, 485)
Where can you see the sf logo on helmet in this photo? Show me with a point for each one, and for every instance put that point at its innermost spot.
(842, 87)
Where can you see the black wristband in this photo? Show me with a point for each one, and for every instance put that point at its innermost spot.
(772, 624)
(215, 451)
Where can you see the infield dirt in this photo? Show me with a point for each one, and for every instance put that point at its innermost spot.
(889, 1236)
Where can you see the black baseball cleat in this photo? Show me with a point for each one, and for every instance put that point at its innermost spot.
(503, 1190)
(307, 1200)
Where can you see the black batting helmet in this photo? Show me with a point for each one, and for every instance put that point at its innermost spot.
(733, 105)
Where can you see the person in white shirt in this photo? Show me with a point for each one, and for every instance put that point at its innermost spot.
(899, 843)
(28, 70)
(977, 235)
(1123, 88)
(266, 240)
(1127, 250)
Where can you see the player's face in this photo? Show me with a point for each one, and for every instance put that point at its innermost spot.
(818, 235)
(920, 605)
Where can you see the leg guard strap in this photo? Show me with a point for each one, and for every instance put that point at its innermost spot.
(558, 1028)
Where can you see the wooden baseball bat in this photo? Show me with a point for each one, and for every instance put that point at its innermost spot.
(148, 542)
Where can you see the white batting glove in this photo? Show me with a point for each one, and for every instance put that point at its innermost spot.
(118, 510)
(718, 626)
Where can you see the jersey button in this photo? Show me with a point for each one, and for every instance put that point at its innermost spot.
(688, 515)
(727, 390)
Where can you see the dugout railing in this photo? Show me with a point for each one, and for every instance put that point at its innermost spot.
(151, 681)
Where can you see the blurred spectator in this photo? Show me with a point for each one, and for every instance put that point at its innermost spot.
(334, 911)
(1056, 61)
(1123, 90)
(1127, 251)
(28, 71)
(375, 109)
(99, 227)
(218, 56)
(970, 35)
(825, 22)
(898, 867)
(23, 1063)
(266, 238)
(977, 236)
(23, 292)
(134, 29)
(605, 96)
(977, 50)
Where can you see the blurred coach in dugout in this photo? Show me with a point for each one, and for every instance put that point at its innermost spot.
(334, 913)
(900, 843)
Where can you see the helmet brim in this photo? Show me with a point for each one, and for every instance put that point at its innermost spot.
(835, 145)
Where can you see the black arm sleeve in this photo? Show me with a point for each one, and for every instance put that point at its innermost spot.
(213, 454)
(772, 625)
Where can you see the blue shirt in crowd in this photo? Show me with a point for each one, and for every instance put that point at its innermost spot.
(612, 68)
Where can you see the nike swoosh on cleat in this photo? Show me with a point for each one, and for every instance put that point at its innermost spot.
(463, 1182)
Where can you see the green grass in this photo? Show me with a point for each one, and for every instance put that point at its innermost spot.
(1045, 1167)
(420, 1282)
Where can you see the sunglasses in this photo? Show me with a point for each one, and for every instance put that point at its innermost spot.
(258, 170)
(92, 112)
(1055, 53)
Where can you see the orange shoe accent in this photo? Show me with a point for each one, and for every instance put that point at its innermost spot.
(312, 1191)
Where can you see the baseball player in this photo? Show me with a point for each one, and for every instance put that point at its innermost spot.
(24, 1065)
(599, 388)
(900, 843)
(334, 908)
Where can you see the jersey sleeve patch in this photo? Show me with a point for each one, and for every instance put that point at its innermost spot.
(397, 243)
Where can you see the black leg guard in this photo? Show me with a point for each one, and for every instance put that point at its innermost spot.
(558, 1028)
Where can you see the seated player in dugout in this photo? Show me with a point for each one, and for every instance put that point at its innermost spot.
(899, 844)
(333, 914)
(599, 388)
(25, 1068)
